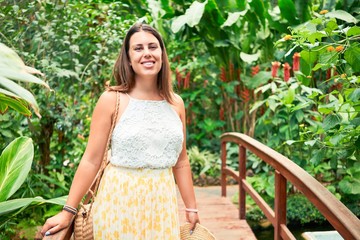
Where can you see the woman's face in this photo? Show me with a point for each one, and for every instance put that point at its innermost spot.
(145, 54)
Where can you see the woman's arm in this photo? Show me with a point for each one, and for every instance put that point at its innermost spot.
(90, 162)
(182, 171)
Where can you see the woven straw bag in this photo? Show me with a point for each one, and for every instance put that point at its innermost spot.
(199, 233)
(83, 224)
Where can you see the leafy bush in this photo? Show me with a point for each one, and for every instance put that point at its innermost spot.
(313, 116)
(301, 211)
(75, 45)
(204, 163)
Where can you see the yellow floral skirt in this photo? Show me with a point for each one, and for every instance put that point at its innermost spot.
(136, 204)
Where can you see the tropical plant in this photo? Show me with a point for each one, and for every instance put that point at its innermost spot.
(15, 164)
(204, 163)
(317, 110)
(75, 45)
(12, 95)
(16, 159)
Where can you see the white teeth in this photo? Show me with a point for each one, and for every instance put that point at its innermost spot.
(148, 64)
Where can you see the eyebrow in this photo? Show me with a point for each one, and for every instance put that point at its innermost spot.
(140, 44)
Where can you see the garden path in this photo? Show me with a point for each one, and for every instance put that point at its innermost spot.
(219, 214)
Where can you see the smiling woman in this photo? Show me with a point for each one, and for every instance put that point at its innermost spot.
(145, 56)
(136, 198)
(143, 44)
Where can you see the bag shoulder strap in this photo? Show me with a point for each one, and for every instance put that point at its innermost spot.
(95, 185)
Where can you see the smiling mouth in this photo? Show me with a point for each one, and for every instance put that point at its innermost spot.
(148, 64)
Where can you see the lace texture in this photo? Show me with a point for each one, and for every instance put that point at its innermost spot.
(148, 135)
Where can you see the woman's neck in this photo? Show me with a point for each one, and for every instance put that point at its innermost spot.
(146, 90)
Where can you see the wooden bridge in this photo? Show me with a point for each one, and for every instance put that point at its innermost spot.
(217, 213)
(227, 222)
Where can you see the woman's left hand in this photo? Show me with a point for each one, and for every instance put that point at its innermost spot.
(193, 219)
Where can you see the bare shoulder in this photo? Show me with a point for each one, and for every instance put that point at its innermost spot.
(107, 101)
(108, 96)
(178, 101)
(178, 105)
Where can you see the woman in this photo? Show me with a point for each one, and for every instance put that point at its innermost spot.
(137, 196)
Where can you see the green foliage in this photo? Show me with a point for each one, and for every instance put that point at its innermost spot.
(221, 52)
(204, 163)
(301, 211)
(14, 204)
(317, 110)
(15, 163)
(193, 71)
(191, 17)
(350, 184)
(263, 183)
(12, 95)
(10, 127)
(75, 45)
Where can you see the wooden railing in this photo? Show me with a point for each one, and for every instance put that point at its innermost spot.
(341, 218)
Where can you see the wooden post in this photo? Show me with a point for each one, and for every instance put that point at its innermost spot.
(242, 177)
(223, 166)
(280, 204)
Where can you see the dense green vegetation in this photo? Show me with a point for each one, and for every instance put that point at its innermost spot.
(284, 72)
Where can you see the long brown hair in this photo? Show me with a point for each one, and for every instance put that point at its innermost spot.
(125, 75)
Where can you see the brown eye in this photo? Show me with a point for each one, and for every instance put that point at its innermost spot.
(153, 47)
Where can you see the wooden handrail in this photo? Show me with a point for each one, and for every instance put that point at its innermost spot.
(340, 217)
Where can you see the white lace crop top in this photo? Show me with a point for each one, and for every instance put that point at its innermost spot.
(149, 134)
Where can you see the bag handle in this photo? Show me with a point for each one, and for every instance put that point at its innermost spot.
(91, 193)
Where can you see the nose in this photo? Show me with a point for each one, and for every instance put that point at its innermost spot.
(146, 52)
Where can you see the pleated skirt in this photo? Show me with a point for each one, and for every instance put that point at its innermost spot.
(136, 204)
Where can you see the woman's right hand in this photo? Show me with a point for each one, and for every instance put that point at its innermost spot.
(56, 223)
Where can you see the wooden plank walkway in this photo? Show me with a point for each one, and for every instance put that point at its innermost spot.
(219, 214)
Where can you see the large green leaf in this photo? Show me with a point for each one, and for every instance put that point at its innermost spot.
(354, 95)
(191, 17)
(259, 79)
(258, 8)
(316, 36)
(331, 121)
(342, 15)
(165, 5)
(11, 63)
(353, 31)
(9, 58)
(18, 90)
(21, 76)
(288, 11)
(352, 56)
(12, 68)
(350, 185)
(249, 58)
(13, 103)
(303, 8)
(15, 164)
(289, 96)
(195, 12)
(11, 205)
(328, 58)
(233, 17)
(309, 57)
